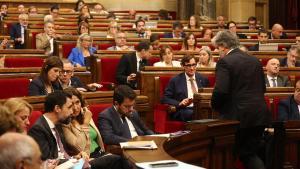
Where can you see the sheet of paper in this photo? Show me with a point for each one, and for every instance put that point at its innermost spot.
(139, 145)
(181, 165)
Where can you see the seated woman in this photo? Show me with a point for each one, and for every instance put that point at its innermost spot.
(206, 59)
(85, 11)
(154, 42)
(47, 81)
(21, 110)
(194, 23)
(207, 34)
(82, 135)
(113, 29)
(83, 27)
(166, 56)
(190, 43)
(99, 9)
(84, 49)
(79, 5)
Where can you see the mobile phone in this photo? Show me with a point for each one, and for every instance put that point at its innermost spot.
(164, 164)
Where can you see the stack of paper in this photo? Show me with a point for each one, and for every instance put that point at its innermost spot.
(139, 145)
(164, 164)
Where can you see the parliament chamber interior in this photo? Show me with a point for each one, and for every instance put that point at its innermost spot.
(126, 63)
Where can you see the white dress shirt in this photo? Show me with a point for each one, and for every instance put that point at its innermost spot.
(189, 87)
(51, 44)
(271, 81)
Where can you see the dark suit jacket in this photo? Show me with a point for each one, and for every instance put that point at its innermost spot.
(170, 35)
(42, 134)
(15, 32)
(241, 36)
(254, 48)
(176, 90)
(239, 90)
(288, 109)
(37, 87)
(283, 63)
(282, 81)
(76, 82)
(127, 65)
(283, 36)
(111, 129)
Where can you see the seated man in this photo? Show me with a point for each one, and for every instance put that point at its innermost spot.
(182, 87)
(45, 41)
(121, 122)
(288, 109)
(21, 9)
(17, 32)
(66, 79)
(272, 78)
(19, 151)
(252, 23)
(177, 31)
(298, 40)
(132, 63)
(121, 41)
(291, 58)
(262, 39)
(3, 11)
(277, 32)
(221, 22)
(231, 26)
(141, 30)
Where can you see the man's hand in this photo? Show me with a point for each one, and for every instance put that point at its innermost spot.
(87, 116)
(185, 102)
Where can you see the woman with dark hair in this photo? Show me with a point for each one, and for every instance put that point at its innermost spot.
(78, 5)
(47, 81)
(190, 43)
(99, 9)
(207, 34)
(83, 27)
(166, 58)
(194, 23)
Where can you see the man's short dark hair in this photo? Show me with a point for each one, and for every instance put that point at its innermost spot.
(58, 98)
(260, 31)
(252, 18)
(228, 23)
(145, 44)
(187, 58)
(139, 20)
(55, 6)
(122, 92)
(177, 24)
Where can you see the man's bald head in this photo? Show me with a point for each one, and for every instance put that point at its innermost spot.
(273, 67)
(277, 30)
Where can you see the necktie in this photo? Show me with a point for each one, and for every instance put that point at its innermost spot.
(61, 146)
(274, 82)
(193, 85)
(141, 64)
(126, 127)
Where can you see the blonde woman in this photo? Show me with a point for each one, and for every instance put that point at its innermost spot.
(206, 59)
(113, 29)
(84, 49)
(21, 111)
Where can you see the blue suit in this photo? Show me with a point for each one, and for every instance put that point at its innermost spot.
(15, 32)
(76, 56)
(288, 109)
(176, 91)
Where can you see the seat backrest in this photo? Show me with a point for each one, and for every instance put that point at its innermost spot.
(276, 101)
(108, 68)
(104, 46)
(67, 48)
(16, 87)
(98, 108)
(34, 116)
(153, 60)
(163, 83)
(23, 62)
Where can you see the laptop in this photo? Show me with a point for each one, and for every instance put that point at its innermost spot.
(150, 25)
(268, 47)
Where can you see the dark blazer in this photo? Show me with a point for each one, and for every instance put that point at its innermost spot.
(254, 48)
(288, 109)
(241, 36)
(127, 65)
(239, 90)
(283, 62)
(176, 90)
(15, 32)
(283, 36)
(37, 87)
(282, 81)
(111, 126)
(170, 35)
(76, 82)
(42, 134)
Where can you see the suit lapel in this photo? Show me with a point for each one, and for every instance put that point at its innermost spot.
(279, 81)
(133, 62)
(294, 109)
(198, 80)
(183, 83)
(267, 81)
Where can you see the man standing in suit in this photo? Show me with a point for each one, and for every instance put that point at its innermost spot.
(132, 63)
(18, 32)
(45, 41)
(121, 122)
(272, 78)
(291, 58)
(181, 89)
(288, 109)
(262, 39)
(239, 95)
(277, 32)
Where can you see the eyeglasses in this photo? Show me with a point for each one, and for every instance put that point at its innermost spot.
(191, 65)
(68, 72)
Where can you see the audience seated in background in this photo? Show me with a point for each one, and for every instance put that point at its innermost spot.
(112, 16)
(4, 44)
(190, 43)
(121, 122)
(252, 23)
(132, 14)
(177, 31)
(221, 22)
(67, 79)
(181, 88)
(132, 63)
(288, 109)
(85, 12)
(54, 11)
(207, 33)
(21, 9)
(206, 58)
(8, 122)
(166, 58)
(78, 5)
(298, 40)
(83, 27)
(154, 42)
(291, 58)
(48, 18)
(164, 15)
(99, 9)
(21, 110)
(3, 11)
(82, 135)
(45, 40)
(194, 23)
(277, 32)
(141, 30)
(79, 55)
(32, 11)
(231, 26)
(262, 39)
(120, 41)
(17, 32)
(47, 81)
(19, 151)
(113, 29)
(272, 77)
